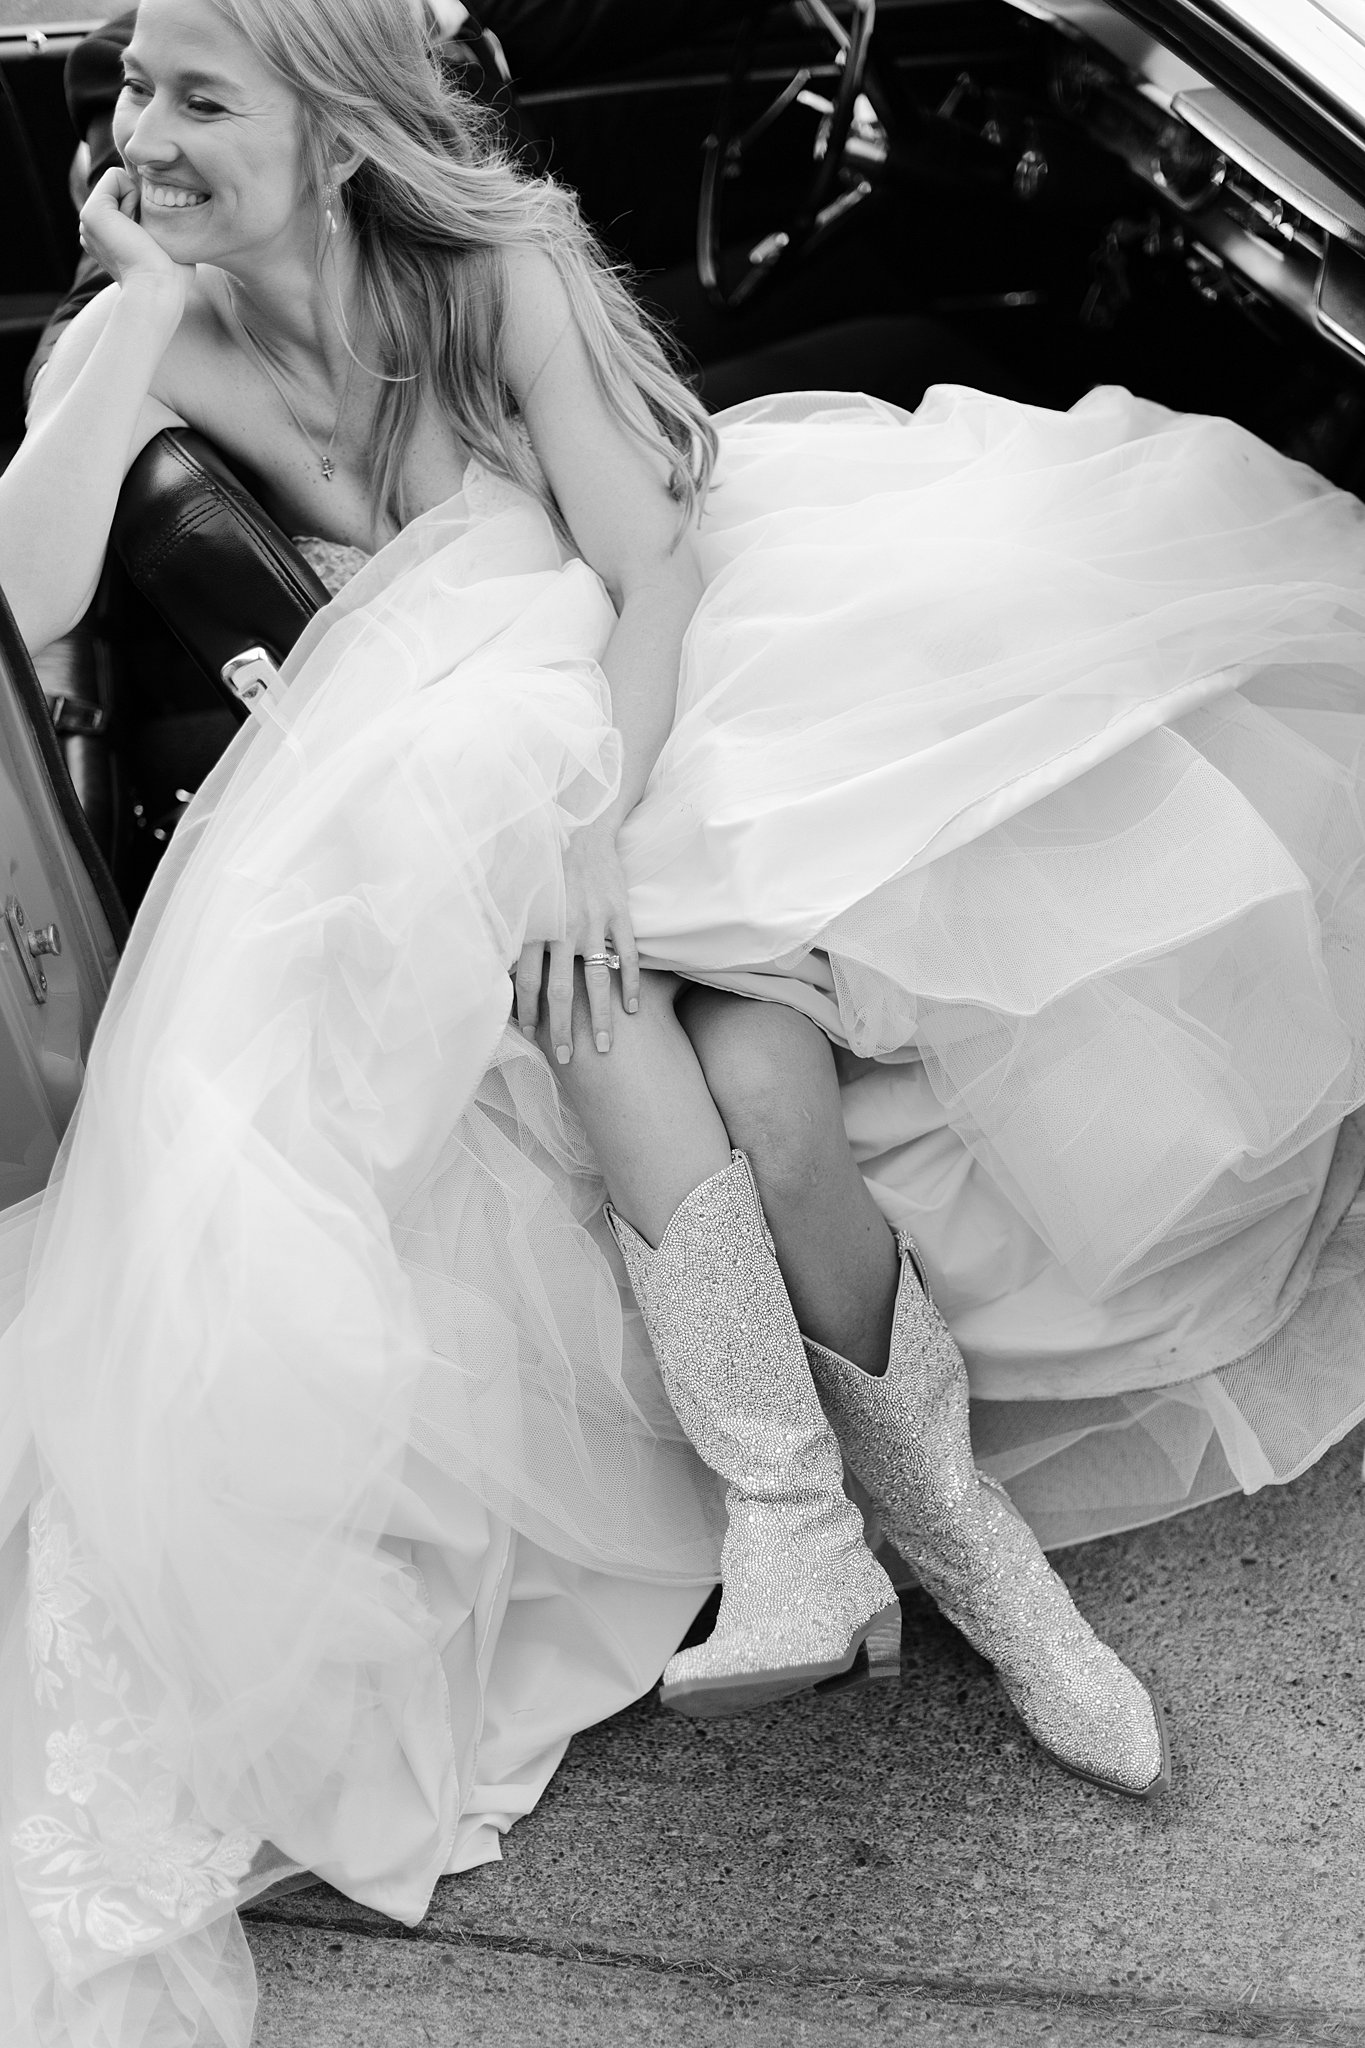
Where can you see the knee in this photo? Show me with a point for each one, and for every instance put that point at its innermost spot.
(586, 1071)
(771, 1074)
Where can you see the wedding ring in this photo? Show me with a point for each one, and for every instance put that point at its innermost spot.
(611, 960)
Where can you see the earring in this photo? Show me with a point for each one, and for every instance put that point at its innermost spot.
(328, 192)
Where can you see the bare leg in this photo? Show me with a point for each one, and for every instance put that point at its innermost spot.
(771, 1075)
(653, 1126)
(681, 1085)
(802, 1597)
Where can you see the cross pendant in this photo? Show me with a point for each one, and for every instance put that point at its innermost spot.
(328, 469)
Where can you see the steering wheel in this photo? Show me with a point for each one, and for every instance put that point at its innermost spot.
(849, 132)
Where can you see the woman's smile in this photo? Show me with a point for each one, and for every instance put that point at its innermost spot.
(171, 198)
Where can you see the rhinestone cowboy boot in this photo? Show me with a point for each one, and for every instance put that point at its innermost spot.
(906, 1437)
(803, 1600)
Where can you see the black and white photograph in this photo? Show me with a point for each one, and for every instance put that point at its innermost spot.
(682, 1023)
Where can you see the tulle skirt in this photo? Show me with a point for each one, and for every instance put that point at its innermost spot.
(337, 1487)
(1024, 752)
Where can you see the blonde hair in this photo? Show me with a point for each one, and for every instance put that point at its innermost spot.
(434, 202)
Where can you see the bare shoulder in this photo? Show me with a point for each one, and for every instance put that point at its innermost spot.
(538, 314)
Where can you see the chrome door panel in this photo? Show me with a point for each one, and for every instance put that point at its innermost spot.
(51, 871)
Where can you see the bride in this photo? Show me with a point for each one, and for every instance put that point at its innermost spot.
(949, 821)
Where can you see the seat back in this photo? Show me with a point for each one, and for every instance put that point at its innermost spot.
(225, 578)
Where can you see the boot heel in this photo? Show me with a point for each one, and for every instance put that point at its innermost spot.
(883, 1644)
(878, 1654)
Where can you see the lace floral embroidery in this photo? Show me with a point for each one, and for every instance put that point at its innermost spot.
(332, 562)
(55, 1598)
(74, 1763)
(120, 1861)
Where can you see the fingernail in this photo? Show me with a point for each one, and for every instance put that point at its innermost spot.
(603, 1042)
(633, 1005)
(528, 1031)
(563, 1053)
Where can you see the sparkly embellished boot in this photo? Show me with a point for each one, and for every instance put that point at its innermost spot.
(906, 1437)
(803, 1600)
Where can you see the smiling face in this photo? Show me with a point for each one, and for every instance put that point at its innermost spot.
(212, 136)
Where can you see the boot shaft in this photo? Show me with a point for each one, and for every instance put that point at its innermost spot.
(727, 1344)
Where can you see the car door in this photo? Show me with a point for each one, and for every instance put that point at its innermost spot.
(61, 928)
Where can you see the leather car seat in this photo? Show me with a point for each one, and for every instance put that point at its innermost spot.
(229, 582)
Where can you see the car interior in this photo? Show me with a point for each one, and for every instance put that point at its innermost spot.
(1031, 195)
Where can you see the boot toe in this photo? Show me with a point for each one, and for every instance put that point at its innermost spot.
(1104, 1726)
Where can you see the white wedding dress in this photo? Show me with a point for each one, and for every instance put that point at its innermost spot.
(337, 1488)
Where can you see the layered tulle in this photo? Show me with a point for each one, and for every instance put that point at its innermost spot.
(319, 1388)
(1022, 751)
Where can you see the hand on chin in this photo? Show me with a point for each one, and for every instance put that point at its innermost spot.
(136, 254)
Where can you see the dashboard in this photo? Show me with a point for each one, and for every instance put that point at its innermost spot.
(1259, 222)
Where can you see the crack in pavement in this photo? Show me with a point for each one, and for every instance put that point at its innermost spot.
(1157, 2012)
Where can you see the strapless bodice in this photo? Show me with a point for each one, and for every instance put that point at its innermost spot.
(332, 561)
(335, 562)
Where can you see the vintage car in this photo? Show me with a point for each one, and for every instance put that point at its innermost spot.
(1038, 195)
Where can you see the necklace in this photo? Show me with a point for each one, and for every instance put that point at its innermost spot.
(324, 455)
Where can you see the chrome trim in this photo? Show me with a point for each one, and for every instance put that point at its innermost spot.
(1351, 338)
(51, 39)
(249, 674)
(30, 945)
(1272, 161)
(636, 88)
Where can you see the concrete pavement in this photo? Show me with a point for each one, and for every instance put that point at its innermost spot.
(908, 1867)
